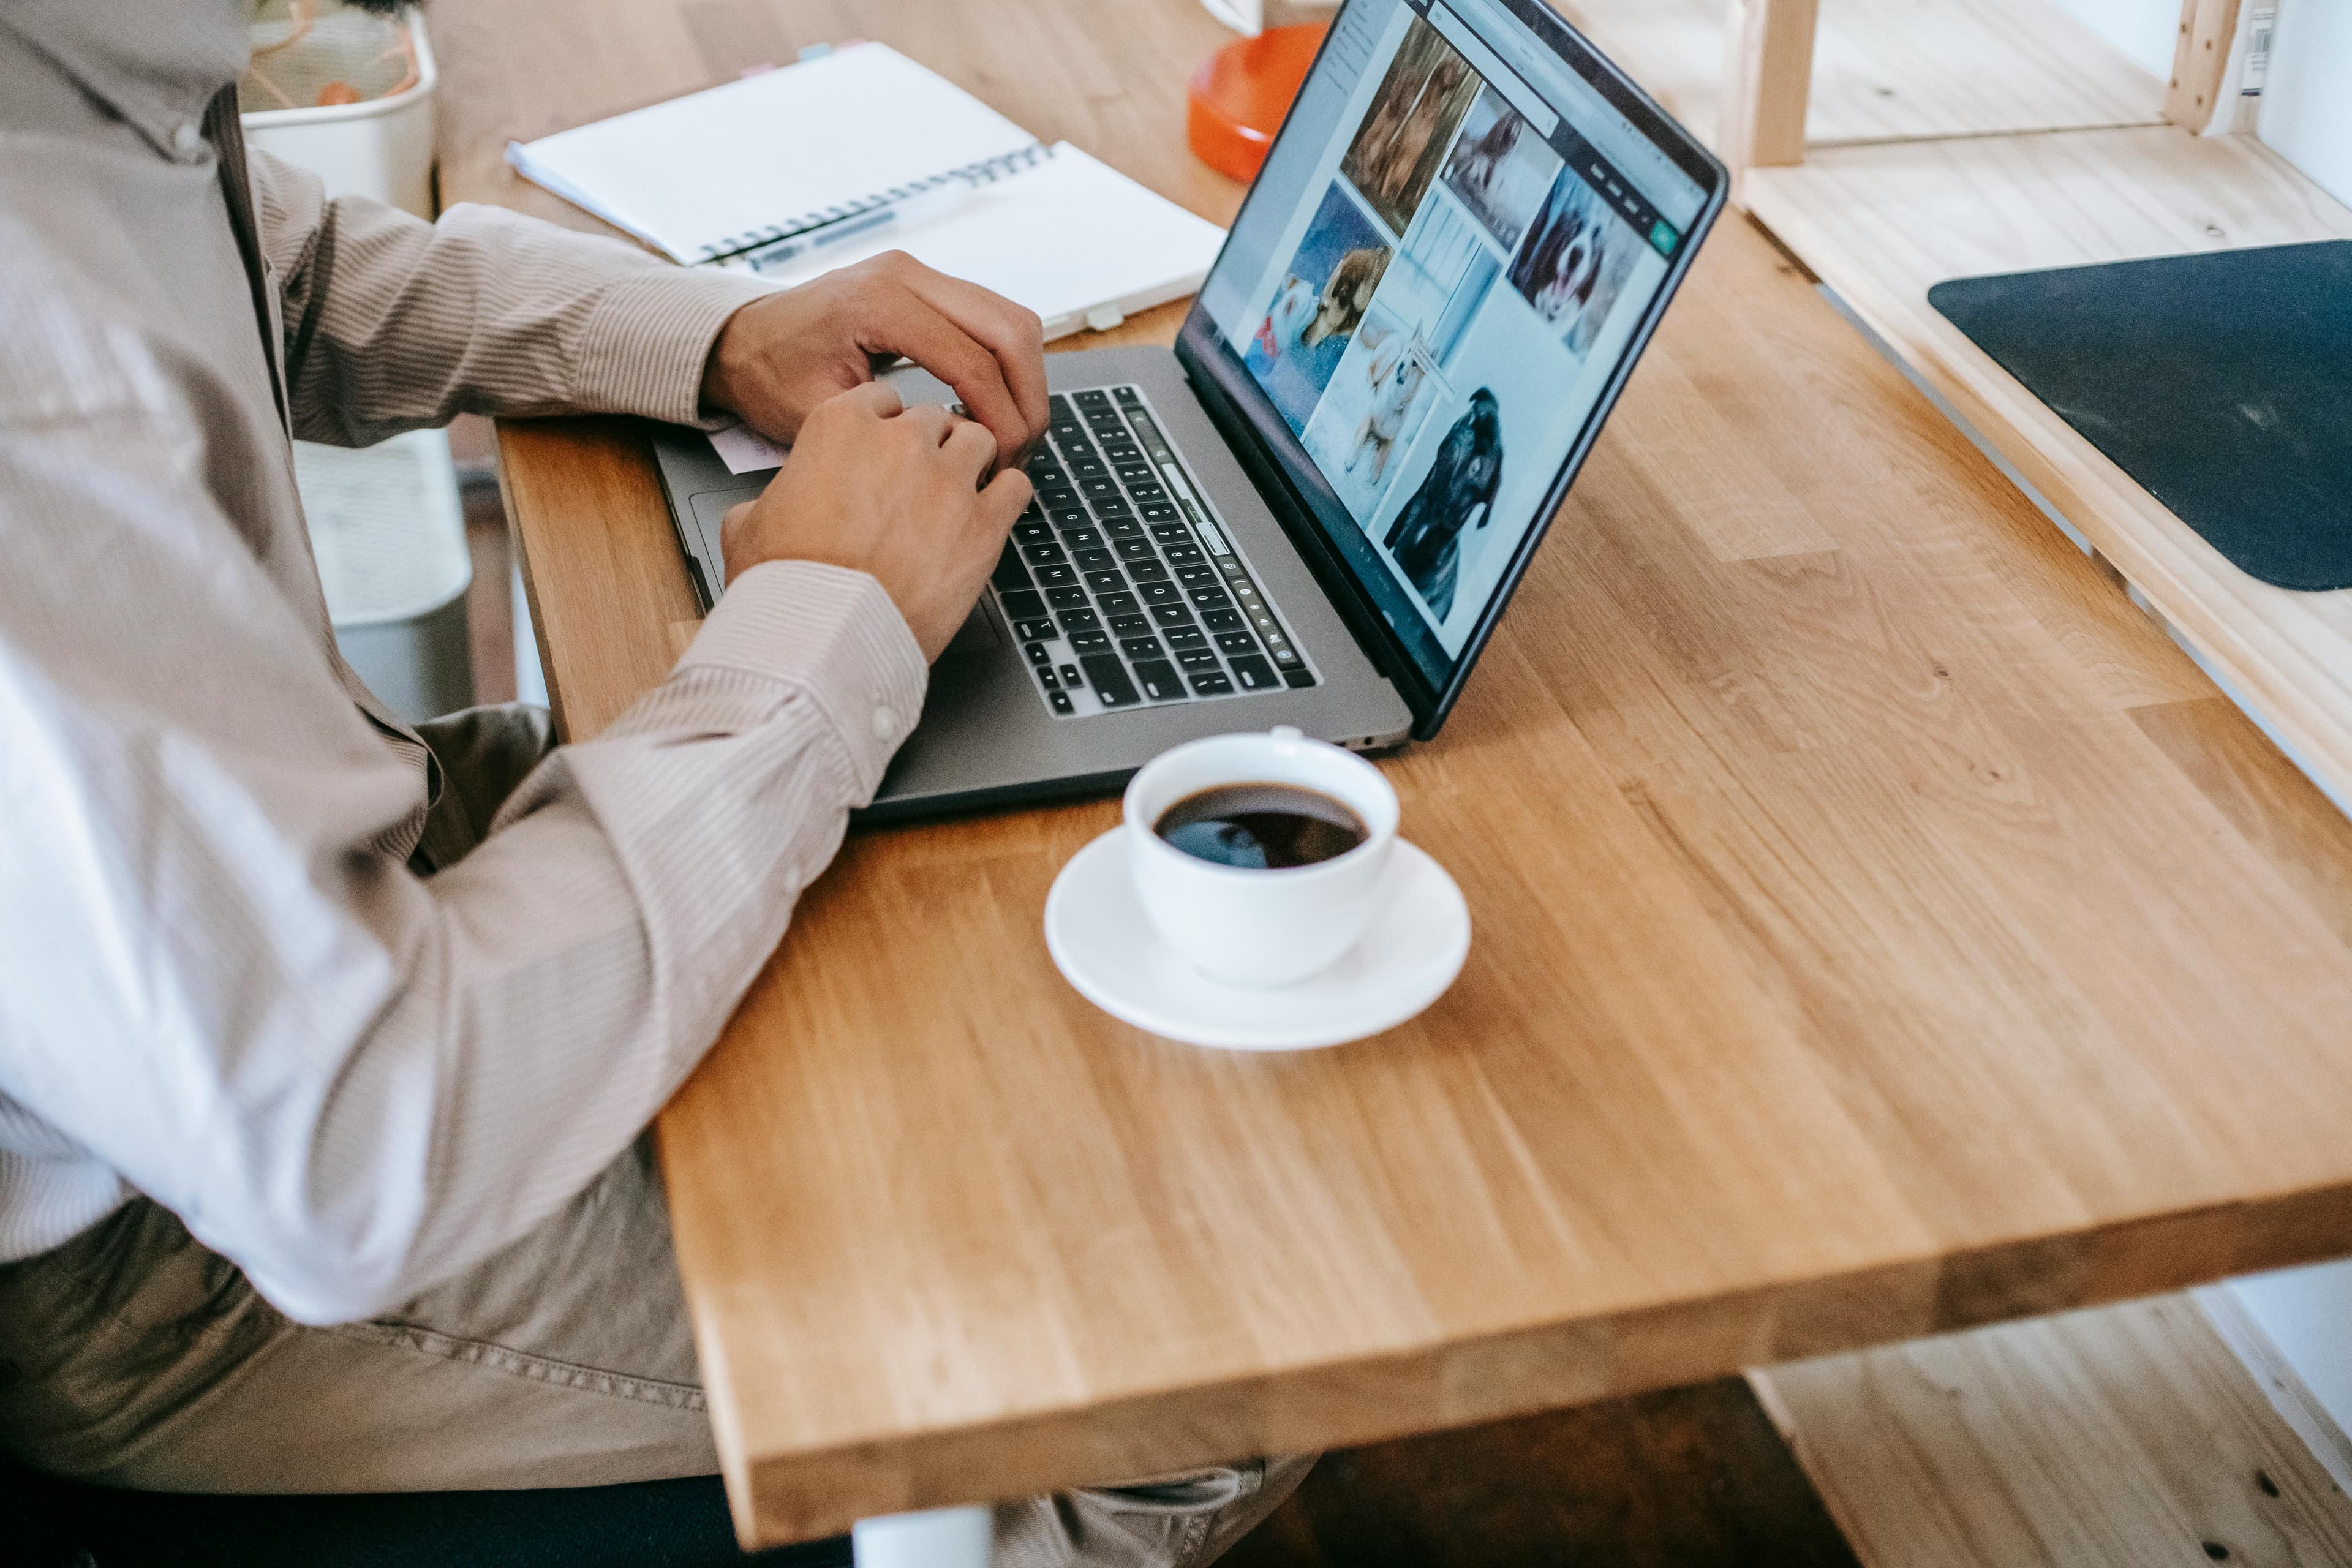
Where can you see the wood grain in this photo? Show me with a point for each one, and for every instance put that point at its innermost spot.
(1768, 80)
(2199, 60)
(1852, 960)
(1891, 72)
(2103, 1439)
(1881, 225)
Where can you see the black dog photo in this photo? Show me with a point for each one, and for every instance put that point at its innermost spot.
(1457, 493)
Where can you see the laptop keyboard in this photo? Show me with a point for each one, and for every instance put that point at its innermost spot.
(1122, 589)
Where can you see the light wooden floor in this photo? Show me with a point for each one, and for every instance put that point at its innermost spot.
(2126, 1436)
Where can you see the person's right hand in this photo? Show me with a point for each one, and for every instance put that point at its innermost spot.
(892, 491)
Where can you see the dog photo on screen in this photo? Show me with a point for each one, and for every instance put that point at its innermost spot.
(1575, 262)
(1499, 168)
(1323, 296)
(1457, 493)
(1395, 154)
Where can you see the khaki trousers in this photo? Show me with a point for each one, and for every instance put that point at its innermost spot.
(132, 1356)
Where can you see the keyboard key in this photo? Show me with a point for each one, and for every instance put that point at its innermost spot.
(1077, 446)
(1302, 676)
(1061, 701)
(1159, 680)
(1222, 620)
(1172, 614)
(1067, 599)
(1085, 468)
(1080, 621)
(1171, 533)
(1113, 506)
(1099, 487)
(1044, 472)
(1134, 549)
(1254, 673)
(1058, 495)
(1212, 683)
(1117, 605)
(1051, 681)
(1128, 396)
(1081, 538)
(1159, 511)
(1189, 637)
(1043, 555)
(1037, 533)
(1106, 582)
(1090, 642)
(1057, 406)
(1141, 647)
(1147, 570)
(1129, 625)
(1161, 593)
(1197, 657)
(1236, 642)
(1037, 655)
(1095, 560)
(1112, 688)
(1070, 675)
(1183, 554)
(1211, 599)
(1055, 576)
(1068, 517)
(1198, 576)
(1034, 631)
(1010, 574)
(1118, 452)
(1024, 605)
(1144, 494)
(1122, 528)
(1091, 401)
(1134, 472)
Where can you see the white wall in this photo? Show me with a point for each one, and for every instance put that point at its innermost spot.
(2143, 29)
(2308, 96)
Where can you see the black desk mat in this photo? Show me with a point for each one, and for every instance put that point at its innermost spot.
(2222, 382)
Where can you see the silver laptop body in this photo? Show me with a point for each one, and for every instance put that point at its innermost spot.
(1462, 240)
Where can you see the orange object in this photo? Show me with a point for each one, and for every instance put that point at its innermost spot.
(1240, 94)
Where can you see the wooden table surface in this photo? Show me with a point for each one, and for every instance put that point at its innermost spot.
(1881, 927)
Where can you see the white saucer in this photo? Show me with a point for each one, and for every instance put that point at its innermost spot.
(1096, 930)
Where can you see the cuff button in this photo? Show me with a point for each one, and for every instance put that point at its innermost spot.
(886, 724)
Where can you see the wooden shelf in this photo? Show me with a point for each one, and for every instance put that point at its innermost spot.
(1881, 224)
(1888, 70)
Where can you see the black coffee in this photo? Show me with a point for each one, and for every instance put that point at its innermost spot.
(1261, 826)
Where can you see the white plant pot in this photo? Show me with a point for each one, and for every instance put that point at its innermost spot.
(382, 150)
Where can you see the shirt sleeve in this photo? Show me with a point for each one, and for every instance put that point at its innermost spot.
(218, 975)
(391, 322)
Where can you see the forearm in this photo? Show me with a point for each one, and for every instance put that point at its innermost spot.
(391, 322)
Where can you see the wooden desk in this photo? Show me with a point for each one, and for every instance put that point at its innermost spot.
(1881, 927)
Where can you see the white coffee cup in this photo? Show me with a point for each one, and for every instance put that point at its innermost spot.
(1253, 927)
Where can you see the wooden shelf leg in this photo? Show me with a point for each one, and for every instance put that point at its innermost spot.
(942, 1537)
(1767, 81)
(2200, 58)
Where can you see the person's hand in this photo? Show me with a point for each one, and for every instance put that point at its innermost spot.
(776, 358)
(889, 490)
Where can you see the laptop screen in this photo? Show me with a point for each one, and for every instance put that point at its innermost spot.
(1455, 248)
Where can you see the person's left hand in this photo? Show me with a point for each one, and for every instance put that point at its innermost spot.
(777, 358)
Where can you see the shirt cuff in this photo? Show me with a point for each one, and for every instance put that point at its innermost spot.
(835, 634)
(650, 336)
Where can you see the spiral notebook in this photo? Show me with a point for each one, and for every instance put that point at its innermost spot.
(864, 151)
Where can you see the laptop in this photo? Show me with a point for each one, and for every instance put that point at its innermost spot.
(1312, 508)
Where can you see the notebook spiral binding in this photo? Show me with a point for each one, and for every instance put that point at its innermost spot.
(988, 171)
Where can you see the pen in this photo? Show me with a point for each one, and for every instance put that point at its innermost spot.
(907, 210)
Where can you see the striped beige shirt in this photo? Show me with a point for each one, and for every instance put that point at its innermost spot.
(220, 984)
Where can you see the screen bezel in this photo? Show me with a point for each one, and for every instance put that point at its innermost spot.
(1303, 503)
